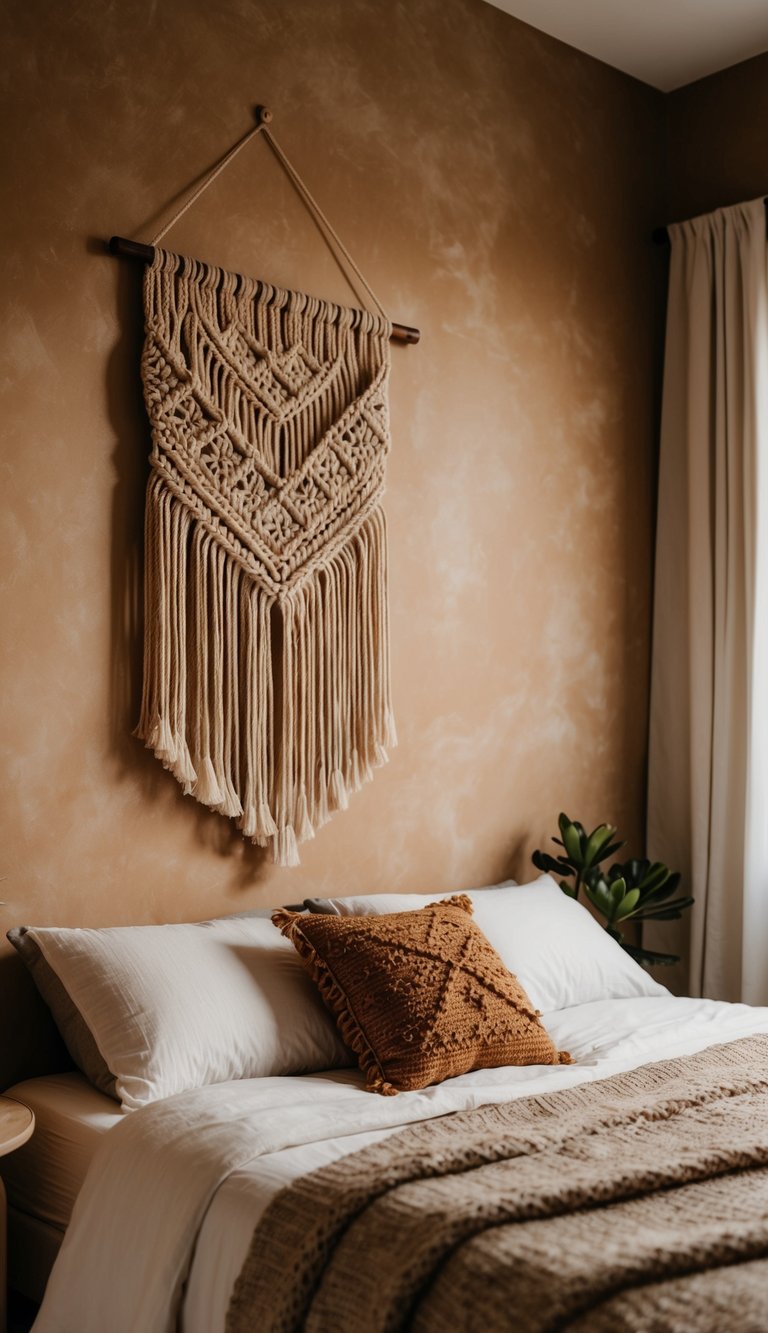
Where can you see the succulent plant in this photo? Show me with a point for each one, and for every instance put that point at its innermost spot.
(637, 890)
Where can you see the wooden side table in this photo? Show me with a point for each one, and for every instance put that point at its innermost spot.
(16, 1125)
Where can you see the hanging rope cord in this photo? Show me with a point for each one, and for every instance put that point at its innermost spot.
(328, 232)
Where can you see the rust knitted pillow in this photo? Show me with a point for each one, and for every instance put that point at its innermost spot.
(419, 996)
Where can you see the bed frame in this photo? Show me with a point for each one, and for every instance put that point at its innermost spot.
(30, 1044)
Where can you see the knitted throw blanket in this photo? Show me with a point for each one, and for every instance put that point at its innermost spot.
(636, 1203)
(266, 671)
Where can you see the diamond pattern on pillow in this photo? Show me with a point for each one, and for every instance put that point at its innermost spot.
(419, 996)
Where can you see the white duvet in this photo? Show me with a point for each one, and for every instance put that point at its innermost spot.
(164, 1220)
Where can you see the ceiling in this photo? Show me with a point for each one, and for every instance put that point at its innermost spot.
(666, 43)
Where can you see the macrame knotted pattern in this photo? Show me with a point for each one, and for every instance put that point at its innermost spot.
(266, 645)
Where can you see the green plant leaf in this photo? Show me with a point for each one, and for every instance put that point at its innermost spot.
(597, 840)
(638, 889)
(551, 865)
(636, 868)
(659, 895)
(665, 889)
(654, 877)
(654, 884)
(600, 897)
(573, 844)
(666, 905)
(611, 850)
(634, 871)
(617, 889)
(654, 881)
(665, 911)
(627, 904)
(614, 893)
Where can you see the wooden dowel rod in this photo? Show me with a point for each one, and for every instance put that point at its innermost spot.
(125, 249)
(120, 245)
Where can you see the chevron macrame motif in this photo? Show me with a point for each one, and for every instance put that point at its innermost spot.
(266, 656)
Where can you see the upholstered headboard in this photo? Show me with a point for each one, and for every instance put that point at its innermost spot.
(29, 1041)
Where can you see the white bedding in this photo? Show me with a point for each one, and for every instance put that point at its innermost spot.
(176, 1188)
(45, 1175)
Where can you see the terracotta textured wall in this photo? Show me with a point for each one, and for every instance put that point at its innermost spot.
(498, 189)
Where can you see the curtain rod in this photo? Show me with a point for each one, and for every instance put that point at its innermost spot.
(126, 249)
(660, 235)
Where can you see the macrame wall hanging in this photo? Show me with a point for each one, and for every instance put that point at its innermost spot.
(266, 652)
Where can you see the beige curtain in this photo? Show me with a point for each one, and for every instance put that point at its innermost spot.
(708, 762)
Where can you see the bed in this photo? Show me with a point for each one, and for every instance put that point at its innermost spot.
(195, 1204)
(43, 1178)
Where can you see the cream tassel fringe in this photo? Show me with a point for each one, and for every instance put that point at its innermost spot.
(215, 646)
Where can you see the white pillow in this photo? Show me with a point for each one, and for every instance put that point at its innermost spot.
(403, 902)
(179, 1006)
(554, 946)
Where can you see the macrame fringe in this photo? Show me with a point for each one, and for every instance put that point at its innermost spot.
(304, 829)
(279, 761)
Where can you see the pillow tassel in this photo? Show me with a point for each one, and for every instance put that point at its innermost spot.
(458, 900)
(283, 918)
